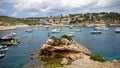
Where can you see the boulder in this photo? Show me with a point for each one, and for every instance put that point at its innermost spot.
(73, 57)
(64, 61)
(50, 42)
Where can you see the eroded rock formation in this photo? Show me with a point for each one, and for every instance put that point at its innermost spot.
(69, 49)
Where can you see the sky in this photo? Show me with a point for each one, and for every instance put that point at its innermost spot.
(43, 8)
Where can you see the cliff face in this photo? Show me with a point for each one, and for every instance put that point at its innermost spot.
(69, 49)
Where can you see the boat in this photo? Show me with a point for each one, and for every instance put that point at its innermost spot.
(96, 32)
(117, 30)
(46, 27)
(4, 48)
(11, 42)
(71, 34)
(29, 30)
(101, 28)
(55, 31)
(71, 27)
(8, 37)
(77, 30)
(90, 25)
(14, 34)
(2, 55)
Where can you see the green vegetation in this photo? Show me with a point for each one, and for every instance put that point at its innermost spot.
(107, 18)
(15, 21)
(67, 37)
(88, 18)
(52, 62)
(57, 41)
(97, 57)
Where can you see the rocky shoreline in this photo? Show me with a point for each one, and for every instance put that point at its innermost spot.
(69, 54)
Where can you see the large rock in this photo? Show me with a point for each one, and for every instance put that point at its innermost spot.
(69, 49)
(50, 42)
(64, 61)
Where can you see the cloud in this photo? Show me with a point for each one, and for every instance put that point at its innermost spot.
(107, 3)
(14, 14)
(34, 13)
(3, 10)
(36, 7)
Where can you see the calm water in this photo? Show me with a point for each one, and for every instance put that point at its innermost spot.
(106, 44)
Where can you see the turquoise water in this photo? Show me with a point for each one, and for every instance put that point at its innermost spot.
(106, 44)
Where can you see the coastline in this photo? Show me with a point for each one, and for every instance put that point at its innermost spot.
(11, 27)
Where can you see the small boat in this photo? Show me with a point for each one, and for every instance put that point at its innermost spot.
(2, 55)
(96, 32)
(3, 48)
(90, 25)
(71, 34)
(29, 30)
(8, 37)
(77, 30)
(71, 27)
(117, 30)
(101, 28)
(14, 34)
(46, 27)
(11, 42)
(55, 31)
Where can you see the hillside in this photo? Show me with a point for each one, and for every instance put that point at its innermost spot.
(15, 21)
(74, 19)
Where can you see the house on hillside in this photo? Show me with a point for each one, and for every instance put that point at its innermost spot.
(42, 21)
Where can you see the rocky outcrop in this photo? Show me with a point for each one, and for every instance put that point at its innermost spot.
(71, 52)
(88, 63)
(69, 49)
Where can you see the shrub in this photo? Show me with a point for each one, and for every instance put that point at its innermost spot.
(97, 57)
(67, 37)
(57, 41)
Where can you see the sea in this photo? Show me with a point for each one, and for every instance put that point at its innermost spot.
(106, 44)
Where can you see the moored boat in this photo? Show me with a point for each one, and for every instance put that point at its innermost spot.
(96, 32)
(29, 30)
(71, 27)
(2, 55)
(77, 30)
(55, 31)
(117, 30)
(8, 37)
(3, 48)
(71, 34)
(101, 28)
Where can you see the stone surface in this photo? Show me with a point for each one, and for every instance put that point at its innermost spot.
(68, 49)
(76, 53)
(50, 42)
(64, 61)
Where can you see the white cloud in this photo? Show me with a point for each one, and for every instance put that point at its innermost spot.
(14, 14)
(2, 10)
(34, 13)
(58, 6)
(106, 3)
